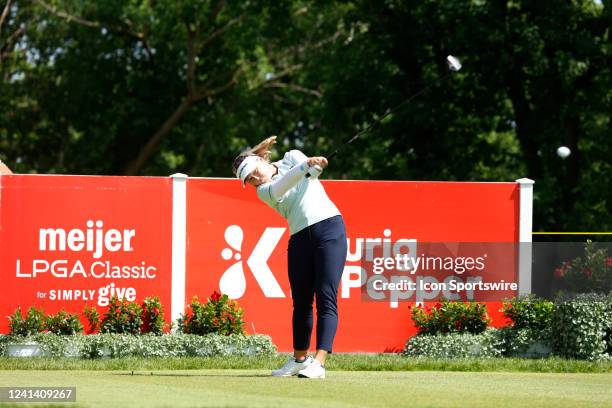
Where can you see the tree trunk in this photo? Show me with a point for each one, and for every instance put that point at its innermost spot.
(134, 167)
(526, 130)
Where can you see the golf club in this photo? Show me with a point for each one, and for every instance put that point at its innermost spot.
(453, 64)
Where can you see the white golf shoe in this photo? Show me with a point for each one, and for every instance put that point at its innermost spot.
(314, 370)
(292, 367)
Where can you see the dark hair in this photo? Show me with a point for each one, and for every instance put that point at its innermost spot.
(238, 161)
(262, 150)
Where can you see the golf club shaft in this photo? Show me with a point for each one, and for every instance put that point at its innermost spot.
(454, 65)
(317, 170)
(377, 121)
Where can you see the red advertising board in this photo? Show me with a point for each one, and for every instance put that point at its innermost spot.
(236, 244)
(68, 241)
(71, 241)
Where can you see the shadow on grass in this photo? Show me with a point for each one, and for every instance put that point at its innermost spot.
(153, 374)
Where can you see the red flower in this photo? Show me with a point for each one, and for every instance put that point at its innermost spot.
(588, 272)
(609, 261)
(155, 310)
(215, 296)
(559, 272)
(438, 305)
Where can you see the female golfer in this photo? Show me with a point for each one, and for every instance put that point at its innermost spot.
(317, 247)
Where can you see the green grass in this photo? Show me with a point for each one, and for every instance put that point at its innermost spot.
(255, 388)
(346, 362)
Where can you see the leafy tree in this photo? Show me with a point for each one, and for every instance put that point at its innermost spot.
(156, 87)
(537, 76)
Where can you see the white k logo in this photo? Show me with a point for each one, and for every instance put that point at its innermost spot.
(233, 281)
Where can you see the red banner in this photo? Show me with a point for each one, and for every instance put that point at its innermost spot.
(71, 241)
(68, 241)
(237, 244)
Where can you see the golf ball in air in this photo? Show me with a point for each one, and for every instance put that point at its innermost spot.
(563, 151)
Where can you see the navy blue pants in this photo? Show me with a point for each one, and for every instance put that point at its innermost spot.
(316, 258)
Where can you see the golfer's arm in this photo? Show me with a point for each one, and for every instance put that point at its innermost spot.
(278, 188)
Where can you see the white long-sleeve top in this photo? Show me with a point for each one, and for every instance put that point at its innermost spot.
(301, 201)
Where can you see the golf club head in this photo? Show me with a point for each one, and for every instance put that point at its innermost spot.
(453, 63)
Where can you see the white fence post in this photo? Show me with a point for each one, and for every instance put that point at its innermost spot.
(525, 230)
(179, 239)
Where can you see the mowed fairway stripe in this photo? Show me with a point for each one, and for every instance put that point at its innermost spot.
(255, 388)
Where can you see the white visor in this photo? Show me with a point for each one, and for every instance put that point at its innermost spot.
(246, 167)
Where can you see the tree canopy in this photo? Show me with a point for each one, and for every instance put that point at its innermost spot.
(154, 87)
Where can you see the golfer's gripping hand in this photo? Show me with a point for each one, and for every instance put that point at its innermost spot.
(317, 161)
(278, 188)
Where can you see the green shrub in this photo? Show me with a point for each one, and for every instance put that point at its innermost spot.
(93, 317)
(153, 316)
(122, 317)
(528, 333)
(63, 323)
(526, 343)
(218, 315)
(111, 345)
(33, 322)
(529, 312)
(487, 344)
(451, 317)
(4, 340)
(582, 327)
(590, 273)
